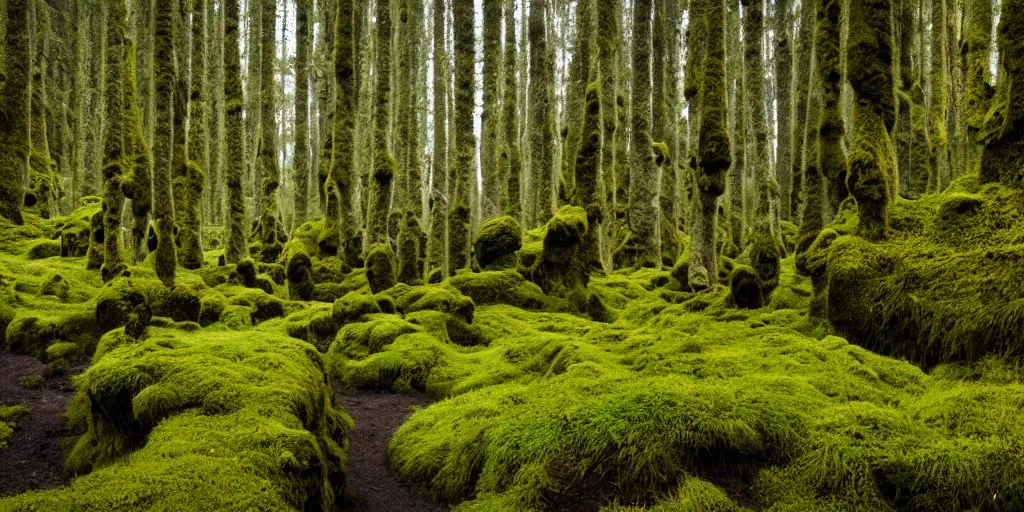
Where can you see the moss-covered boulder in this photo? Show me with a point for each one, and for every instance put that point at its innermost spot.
(381, 267)
(497, 243)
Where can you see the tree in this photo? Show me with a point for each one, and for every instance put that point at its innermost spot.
(977, 94)
(14, 111)
(511, 152)
(114, 140)
(137, 185)
(491, 116)
(384, 164)
(462, 129)
(714, 152)
(163, 141)
(938, 135)
(872, 176)
(301, 165)
(645, 246)
(831, 158)
(236, 248)
(783, 86)
(271, 246)
(609, 16)
(189, 214)
(542, 131)
(437, 250)
(339, 237)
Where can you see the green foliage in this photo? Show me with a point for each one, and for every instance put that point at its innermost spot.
(9, 415)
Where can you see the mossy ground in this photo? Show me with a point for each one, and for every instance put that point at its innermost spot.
(217, 395)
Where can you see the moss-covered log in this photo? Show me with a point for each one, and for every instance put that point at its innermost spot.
(14, 111)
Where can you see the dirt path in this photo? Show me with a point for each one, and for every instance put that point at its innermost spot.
(34, 459)
(374, 487)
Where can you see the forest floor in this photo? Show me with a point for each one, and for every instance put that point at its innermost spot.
(372, 485)
(35, 459)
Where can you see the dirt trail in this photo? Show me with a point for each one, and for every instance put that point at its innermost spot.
(34, 459)
(373, 485)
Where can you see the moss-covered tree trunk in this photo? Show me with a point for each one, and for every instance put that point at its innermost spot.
(579, 77)
(14, 111)
(542, 124)
(253, 100)
(78, 181)
(737, 221)
(325, 98)
(831, 158)
(784, 90)
(384, 164)
(714, 153)
(1003, 157)
(43, 183)
(163, 141)
(977, 94)
(663, 124)
(342, 218)
(490, 163)
(802, 58)
(465, 141)
(301, 164)
(938, 135)
(609, 21)
(137, 185)
(270, 246)
(236, 247)
(645, 246)
(407, 196)
(191, 177)
(512, 158)
(114, 140)
(872, 177)
(754, 89)
(437, 250)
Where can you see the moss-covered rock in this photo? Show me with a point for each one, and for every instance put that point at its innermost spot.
(497, 243)
(381, 267)
(498, 287)
(43, 249)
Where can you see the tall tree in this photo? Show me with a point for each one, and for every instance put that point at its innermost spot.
(938, 134)
(579, 77)
(831, 159)
(872, 171)
(977, 36)
(462, 130)
(114, 140)
(138, 184)
(14, 111)
(237, 248)
(339, 209)
(714, 154)
(783, 86)
(384, 164)
(163, 141)
(301, 163)
(437, 251)
(1003, 157)
(189, 214)
(491, 115)
(409, 194)
(609, 20)
(270, 247)
(643, 179)
(542, 129)
(754, 89)
(511, 152)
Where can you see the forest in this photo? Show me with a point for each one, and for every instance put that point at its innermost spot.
(512, 255)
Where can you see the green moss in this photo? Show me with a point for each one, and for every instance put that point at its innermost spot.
(497, 242)
(9, 415)
(44, 249)
(299, 269)
(31, 381)
(381, 267)
(747, 287)
(499, 287)
(354, 307)
(14, 142)
(231, 421)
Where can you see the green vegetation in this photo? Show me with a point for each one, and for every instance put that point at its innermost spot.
(9, 415)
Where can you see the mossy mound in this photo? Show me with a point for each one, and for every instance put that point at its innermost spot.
(499, 287)
(944, 288)
(497, 242)
(381, 267)
(203, 421)
(9, 415)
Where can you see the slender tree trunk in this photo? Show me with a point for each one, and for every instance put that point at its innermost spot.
(643, 179)
(437, 251)
(491, 116)
(938, 134)
(301, 163)
(189, 213)
(831, 159)
(271, 246)
(977, 92)
(114, 140)
(784, 89)
(163, 141)
(542, 130)
(609, 28)
(462, 128)
(14, 131)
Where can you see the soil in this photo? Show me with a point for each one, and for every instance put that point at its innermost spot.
(372, 485)
(34, 458)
